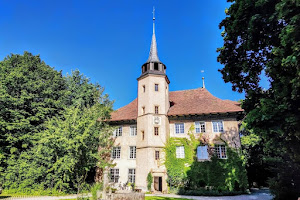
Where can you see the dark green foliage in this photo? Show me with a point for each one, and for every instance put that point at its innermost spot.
(262, 36)
(30, 92)
(52, 128)
(188, 174)
(81, 92)
(258, 168)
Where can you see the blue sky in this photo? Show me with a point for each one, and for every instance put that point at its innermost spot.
(108, 40)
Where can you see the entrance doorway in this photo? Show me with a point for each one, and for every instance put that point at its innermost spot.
(158, 183)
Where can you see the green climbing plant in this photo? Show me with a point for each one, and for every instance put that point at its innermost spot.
(149, 181)
(217, 174)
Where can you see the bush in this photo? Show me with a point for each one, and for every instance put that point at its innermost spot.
(94, 189)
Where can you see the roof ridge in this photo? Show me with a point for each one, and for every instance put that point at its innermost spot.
(189, 89)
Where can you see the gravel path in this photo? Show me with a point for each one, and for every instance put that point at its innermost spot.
(256, 195)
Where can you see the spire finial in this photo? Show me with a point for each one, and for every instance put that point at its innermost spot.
(203, 84)
(153, 57)
(153, 13)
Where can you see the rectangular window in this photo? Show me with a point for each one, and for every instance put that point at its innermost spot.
(220, 151)
(156, 87)
(133, 130)
(180, 152)
(217, 126)
(143, 135)
(156, 109)
(132, 152)
(118, 132)
(155, 130)
(144, 88)
(114, 175)
(202, 153)
(131, 175)
(116, 153)
(156, 155)
(179, 128)
(200, 127)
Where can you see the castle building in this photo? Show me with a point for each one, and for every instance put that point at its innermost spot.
(144, 125)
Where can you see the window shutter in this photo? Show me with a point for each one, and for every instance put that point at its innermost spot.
(202, 153)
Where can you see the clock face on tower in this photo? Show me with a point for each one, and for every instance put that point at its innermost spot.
(156, 120)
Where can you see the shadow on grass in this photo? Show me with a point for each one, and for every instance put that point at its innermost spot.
(4, 197)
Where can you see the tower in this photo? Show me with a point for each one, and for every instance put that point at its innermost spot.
(152, 120)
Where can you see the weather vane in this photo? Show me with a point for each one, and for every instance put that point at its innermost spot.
(153, 13)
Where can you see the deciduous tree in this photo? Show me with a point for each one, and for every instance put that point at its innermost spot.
(262, 37)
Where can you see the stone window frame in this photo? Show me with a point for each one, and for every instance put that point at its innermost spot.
(132, 152)
(220, 151)
(156, 85)
(179, 128)
(216, 128)
(180, 153)
(114, 175)
(133, 130)
(201, 128)
(118, 131)
(157, 156)
(116, 153)
(156, 131)
(131, 175)
(156, 109)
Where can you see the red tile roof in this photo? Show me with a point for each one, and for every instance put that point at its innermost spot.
(128, 112)
(186, 102)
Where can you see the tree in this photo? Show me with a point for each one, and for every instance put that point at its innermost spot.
(30, 92)
(53, 130)
(81, 92)
(258, 169)
(262, 36)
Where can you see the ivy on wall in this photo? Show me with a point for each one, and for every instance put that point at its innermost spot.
(217, 174)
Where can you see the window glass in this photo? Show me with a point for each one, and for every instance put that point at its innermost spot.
(179, 128)
(156, 87)
(180, 152)
(131, 175)
(114, 175)
(200, 127)
(118, 132)
(220, 151)
(116, 153)
(132, 152)
(156, 109)
(217, 126)
(155, 130)
(156, 155)
(133, 130)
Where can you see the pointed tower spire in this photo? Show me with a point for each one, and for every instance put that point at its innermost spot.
(153, 57)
